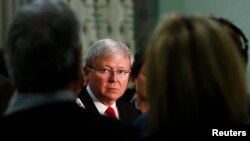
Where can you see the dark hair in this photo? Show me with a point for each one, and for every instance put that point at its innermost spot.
(139, 60)
(3, 69)
(238, 36)
(41, 46)
(7, 89)
(201, 76)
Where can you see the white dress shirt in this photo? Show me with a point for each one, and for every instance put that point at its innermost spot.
(100, 107)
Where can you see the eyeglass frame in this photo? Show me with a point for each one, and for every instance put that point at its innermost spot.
(109, 71)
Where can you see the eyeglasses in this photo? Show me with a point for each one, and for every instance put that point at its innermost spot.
(109, 72)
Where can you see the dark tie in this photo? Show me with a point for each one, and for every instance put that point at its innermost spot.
(110, 112)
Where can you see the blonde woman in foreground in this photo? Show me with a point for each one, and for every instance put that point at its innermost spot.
(196, 80)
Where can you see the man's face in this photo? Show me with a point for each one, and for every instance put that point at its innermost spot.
(108, 77)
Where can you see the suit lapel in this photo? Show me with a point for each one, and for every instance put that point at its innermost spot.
(87, 101)
(126, 112)
(122, 110)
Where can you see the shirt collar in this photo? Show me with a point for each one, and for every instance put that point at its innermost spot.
(100, 107)
(28, 100)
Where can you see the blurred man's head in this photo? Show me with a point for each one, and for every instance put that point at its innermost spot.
(43, 47)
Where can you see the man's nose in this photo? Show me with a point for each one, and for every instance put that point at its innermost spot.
(113, 76)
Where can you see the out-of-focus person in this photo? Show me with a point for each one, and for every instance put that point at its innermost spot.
(200, 83)
(43, 56)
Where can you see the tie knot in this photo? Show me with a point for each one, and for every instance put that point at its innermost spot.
(110, 112)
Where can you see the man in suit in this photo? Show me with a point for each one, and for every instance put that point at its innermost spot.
(43, 54)
(106, 71)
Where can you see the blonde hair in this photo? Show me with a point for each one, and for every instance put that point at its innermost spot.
(195, 74)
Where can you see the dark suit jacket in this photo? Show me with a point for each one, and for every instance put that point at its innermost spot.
(63, 120)
(126, 111)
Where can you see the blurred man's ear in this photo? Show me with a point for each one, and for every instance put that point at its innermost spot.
(77, 64)
(75, 86)
(86, 70)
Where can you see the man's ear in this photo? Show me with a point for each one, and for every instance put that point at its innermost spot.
(86, 72)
